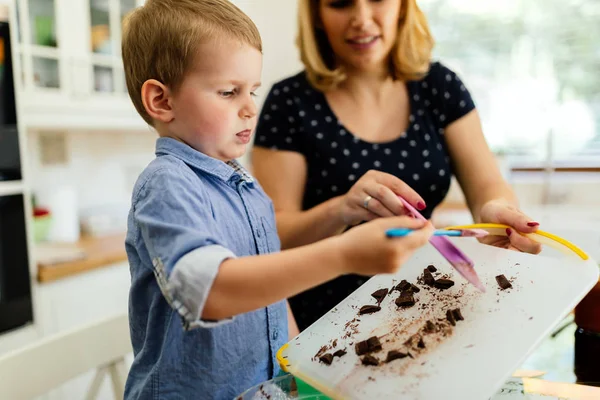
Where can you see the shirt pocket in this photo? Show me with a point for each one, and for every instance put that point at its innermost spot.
(271, 237)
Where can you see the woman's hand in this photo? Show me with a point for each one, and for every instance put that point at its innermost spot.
(502, 212)
(375, 195)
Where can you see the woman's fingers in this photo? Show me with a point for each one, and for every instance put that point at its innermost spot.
(388, 203)
(523, 243)
(400, 188)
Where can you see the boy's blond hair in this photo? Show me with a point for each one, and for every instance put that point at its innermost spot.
(161, 38)
(410, 56)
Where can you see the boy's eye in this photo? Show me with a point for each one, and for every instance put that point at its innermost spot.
(226, 93)
(253, 94)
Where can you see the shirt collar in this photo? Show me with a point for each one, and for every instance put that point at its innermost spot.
(222, 170)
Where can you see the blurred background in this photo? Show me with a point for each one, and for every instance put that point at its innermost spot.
(72, 146)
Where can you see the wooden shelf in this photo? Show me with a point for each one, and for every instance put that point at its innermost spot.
(98, 253)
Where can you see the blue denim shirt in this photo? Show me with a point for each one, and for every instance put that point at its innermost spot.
(189, 213)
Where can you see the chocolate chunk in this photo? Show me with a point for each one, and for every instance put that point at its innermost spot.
(428, 278)
(340, 353)
(431, 268)
(406, 299)
(414, 288)
(421, 343)
(370, 360)
(403, 285)
(457, 314)
(503, 282)
(380, 294)
(367, 346)
(361, 348)
(450, 317)
(429, 327)
(326, 358)
(374, 343)
(443, 284)
(394, 355)
(368, 309)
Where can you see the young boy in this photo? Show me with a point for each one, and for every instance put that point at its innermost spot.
(207, 304)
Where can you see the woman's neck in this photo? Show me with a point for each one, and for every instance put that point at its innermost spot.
(371, 86)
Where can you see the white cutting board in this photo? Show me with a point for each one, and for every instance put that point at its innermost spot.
(499, 330)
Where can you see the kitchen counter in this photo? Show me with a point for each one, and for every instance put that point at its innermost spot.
(56, 261)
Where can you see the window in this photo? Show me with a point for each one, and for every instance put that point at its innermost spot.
(533, 68)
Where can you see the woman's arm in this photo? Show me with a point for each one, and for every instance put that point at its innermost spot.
(488, 195)
(475, 166)
(283, 176)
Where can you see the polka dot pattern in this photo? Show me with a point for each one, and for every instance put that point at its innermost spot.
(296, 117)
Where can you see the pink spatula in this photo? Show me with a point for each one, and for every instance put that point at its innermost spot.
(456, 258)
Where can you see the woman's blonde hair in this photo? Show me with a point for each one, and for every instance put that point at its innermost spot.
(409, 58)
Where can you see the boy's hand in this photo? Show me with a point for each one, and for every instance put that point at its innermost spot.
(366, 250)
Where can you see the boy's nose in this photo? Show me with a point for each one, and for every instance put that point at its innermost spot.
(249, 110)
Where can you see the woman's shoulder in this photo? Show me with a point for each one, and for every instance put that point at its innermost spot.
(438, 73)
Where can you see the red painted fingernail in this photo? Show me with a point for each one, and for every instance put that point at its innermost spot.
(533, 224)
(421, 206)
(508, 232)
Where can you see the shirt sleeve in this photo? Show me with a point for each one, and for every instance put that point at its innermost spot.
(455, 101)
(280, 122)
(174, 217)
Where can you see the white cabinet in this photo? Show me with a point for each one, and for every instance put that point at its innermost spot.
(71, 302)
(69, 64)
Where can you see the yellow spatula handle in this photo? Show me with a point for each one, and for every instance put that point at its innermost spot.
(539, 236)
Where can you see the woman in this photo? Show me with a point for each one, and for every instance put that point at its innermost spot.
(369, 119)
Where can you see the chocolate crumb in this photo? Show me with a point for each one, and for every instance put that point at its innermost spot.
(443, 283)
(322, 350)
(503, 282)
(457, 314)
(326, 358)
(431, 268)
(340, 353)
(379, 295)
(429, 327)
(421, 343)
(334, 344)
(428, 279)
(395, 355)
(450, 317)
(370, 360)
(406, 299)
(368, 309)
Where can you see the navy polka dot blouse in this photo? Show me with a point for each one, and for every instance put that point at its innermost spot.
(296, 117)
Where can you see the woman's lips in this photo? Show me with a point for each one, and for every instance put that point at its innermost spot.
(363, 42)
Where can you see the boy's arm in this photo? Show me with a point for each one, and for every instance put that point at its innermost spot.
(293, 330)
(248, 283)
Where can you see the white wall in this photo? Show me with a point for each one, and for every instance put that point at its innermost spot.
(102, 166)
(276, 21)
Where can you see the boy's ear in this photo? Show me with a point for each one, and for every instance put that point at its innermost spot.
(157, 101)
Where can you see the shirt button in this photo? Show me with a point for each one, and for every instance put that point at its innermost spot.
(275, 335)
(258, 232)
